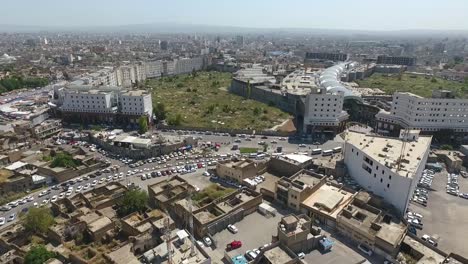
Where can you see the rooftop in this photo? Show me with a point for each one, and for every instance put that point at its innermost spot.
(277, 255)
(297, 158)
(4, 175)
(123, 255)
(388, 151)
(328, 199)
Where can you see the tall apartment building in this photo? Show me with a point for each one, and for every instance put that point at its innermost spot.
(429, 115)
(127, 75)
(154, 69)
(326, 56)
(187, 65)
(387, 167)
(324, 111)
(102, 104)
(407, 61)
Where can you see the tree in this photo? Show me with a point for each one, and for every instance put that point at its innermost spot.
(256, 111)
(38, 254)
(160, 111)
(133, 201)
(446, 147)
(64, 160)
(143, 124)
(265, 147)
(38, 220)
(175, 121)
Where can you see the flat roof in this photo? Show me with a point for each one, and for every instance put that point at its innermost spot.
(328, 199)
(299, 158)
(387, 151)
(16, 165)
(277, 255)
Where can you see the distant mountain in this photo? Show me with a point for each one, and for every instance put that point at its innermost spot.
(195, 28)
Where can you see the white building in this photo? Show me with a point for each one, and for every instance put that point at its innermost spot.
(187, 65)
(426, 114)
(103, 102)
(324, 111)
(127, 75)
(136, 103)
(388, 167)
(154, 69)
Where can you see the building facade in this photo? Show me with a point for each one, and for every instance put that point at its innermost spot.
(429, 115)
(407, 61)
(387, 167)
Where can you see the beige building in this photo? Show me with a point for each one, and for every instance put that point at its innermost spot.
(11, 182)
(366, 224)
(326, 202)
(164, 194)
(237, 170)
(294, 190)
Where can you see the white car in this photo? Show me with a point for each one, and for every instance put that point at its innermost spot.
(30, 198)
(232, 228)
(207, 241)
(11, 217)
(2, 221)
(364, 249)
(54, 198)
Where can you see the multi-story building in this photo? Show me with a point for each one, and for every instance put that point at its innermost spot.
(136, 103)
(237, 170)
(324, 112)
(47, 128)
(187, 65)
(154, 69)
(410, 111)
(102, 104)
(384, 59)
(388, 167)
(326, 56)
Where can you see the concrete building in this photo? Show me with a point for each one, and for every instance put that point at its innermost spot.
(388, 167)
(216, 215)
(164, 194)
(326, 56)
(292, 191)
(136, 103)
(430, 115)
(187, 65)
(384, 59)
(369, 225)
(102, 104)
(47, 128)
(12, 182)
(236, 170)
(324, 112)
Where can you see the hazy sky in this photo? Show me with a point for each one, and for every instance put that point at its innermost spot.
(333, 14)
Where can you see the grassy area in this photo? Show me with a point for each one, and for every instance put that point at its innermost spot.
(417, 84)
(204, 101)
(210, 193)
(248, 150)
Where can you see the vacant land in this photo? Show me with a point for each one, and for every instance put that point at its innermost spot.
(203, 101)
(417, 84)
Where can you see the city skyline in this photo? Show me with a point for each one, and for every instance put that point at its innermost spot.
(298, 14)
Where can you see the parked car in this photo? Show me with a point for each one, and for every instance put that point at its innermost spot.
(301, 255)
(234, 245)
(364, 249)
(207, 241)
(232, 228)
(250, 255)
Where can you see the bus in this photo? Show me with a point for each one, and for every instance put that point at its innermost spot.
(316, 151)
(327, 152)
(337, 150)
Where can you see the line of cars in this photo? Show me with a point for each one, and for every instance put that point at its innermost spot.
(421, 193)
(453, 188)
(415, 221)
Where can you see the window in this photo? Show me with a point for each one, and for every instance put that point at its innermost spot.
(388, 185)
(381, 180)
(390, 177)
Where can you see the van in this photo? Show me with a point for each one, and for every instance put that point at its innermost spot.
(328, 152)
(337, 150)
(316, 151)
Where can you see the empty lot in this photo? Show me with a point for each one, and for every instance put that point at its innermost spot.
(446, 215)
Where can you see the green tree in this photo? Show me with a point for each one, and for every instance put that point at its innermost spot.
(133, 201)
(175, 121)
(265, 147)
(143, 124)
(160, 111)
(38, 254)
(256, 111)
(446, 147)
(210, 109)
(38, 220)
(64, 160)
